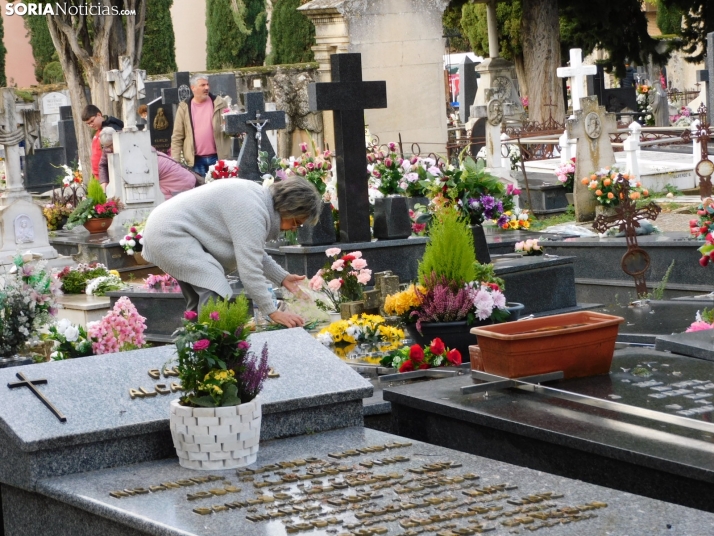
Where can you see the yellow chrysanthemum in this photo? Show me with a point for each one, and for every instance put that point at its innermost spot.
(402, 302)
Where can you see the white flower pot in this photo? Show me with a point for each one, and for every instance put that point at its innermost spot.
(216, 438)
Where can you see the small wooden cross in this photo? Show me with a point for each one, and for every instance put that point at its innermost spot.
(635, 261)
(31, 384)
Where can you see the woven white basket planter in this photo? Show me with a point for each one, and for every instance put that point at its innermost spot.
(216, 438)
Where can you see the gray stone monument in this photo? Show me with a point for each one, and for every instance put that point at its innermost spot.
(591, 126)
(127, 85)
(67, 134)
(22, 225)
(468, 85)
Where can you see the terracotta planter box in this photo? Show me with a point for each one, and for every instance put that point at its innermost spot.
(97, 225)
(580, 344)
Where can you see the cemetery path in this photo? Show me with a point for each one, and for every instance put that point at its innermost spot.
(665, 222)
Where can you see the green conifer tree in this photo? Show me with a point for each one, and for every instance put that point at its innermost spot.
(3, 51)
(252, 53)
(43, 49)
(292, 35)
(159, 52)
(226, 36)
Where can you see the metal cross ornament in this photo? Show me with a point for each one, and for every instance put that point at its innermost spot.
(24, 382)
(635, 261)
(705, 168)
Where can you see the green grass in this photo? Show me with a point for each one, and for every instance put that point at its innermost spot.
(566, 217)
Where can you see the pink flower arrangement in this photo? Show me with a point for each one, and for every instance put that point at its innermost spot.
(120, 330)
(566, 174)
(704, 320)
(163, 283)
(341, 279)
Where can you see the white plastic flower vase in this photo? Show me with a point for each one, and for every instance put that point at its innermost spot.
(216, 438)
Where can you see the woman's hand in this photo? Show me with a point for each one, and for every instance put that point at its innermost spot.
(289, 320)
(291, 283)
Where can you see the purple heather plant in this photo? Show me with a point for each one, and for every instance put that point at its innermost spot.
(441, 303)
(254, 374)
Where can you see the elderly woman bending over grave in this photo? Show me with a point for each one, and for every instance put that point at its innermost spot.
(201, 235)
(173, 177)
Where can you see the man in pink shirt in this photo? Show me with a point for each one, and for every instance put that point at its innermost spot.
(198, 133)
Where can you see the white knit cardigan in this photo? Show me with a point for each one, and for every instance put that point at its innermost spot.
(205, 233)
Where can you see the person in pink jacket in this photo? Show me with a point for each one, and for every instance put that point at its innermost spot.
(173, 177)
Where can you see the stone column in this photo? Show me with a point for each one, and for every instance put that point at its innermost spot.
(331, 37)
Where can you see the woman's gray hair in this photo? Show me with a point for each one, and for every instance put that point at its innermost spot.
(106, 136)
(196, 77)
(297, 198)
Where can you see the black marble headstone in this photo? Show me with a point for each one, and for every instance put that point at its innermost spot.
(161, 124)
(180, 91)
(241, 124)
(614, 99)
(67, 134)
(348, 96)
(224, 85)
(42, 171)
(468, 85)
(153, 89)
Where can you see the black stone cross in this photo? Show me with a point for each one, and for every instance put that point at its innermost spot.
(31, 384)
(180, 92)
(348, 97)
(635, 261)
(255, 124)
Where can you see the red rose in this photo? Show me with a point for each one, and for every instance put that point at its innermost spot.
(416, 353)
(437, 346)
(348, 258)
(710, 238)
(454, 357)
(407, 366)
(693, 223)
(424, 366)
(494, 286)
(703, 230)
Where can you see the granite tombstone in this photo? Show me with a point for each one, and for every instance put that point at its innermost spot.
(348, 96)
(67, 134)
(224, 85)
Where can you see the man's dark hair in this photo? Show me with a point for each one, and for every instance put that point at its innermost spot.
(90, 111)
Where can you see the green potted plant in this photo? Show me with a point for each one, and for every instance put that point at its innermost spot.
(221, 379)
(95, 211)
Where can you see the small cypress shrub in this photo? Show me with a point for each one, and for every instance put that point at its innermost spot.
(450, 253)
(233, 315)
(95, 191)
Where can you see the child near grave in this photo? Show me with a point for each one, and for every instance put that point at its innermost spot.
(173, 177)
(93, 118)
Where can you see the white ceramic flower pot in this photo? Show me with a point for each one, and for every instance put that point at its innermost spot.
(216, 438)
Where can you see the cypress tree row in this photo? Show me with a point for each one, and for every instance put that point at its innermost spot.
(43, 49)
(3, 51)
(158, 55)
(291, 34)
(225, 38)
(252, 53)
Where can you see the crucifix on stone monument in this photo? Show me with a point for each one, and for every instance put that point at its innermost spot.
(635, 261)
(591, 126)
(127, 84)
(577, 73)
(255, 123)
(348, 96)
(10, 137)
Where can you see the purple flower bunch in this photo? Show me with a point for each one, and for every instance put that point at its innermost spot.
(215, 363)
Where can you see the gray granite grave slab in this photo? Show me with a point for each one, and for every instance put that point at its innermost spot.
(42, 169)
(106, 428)
(698, 344)
(81, 504)
(598, 259)
(101, 247)
(661, 458)
(501, 242)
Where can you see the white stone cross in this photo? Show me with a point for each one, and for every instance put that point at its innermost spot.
(127, 85)
(577, 73)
